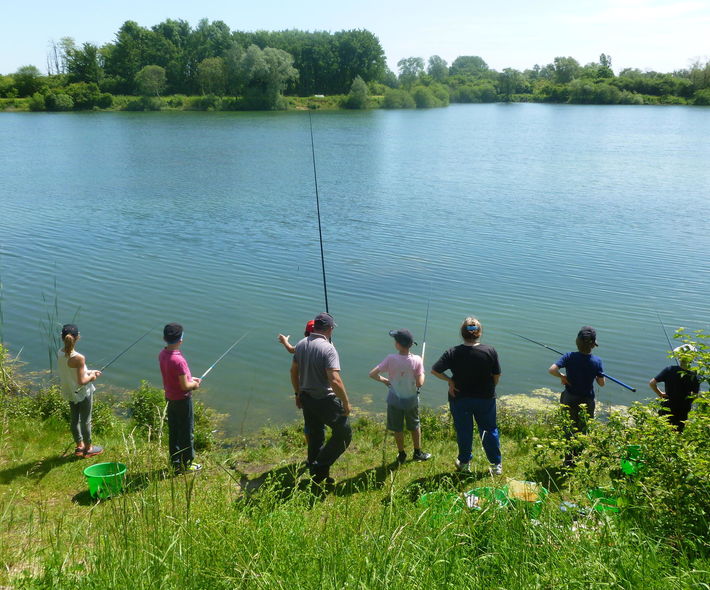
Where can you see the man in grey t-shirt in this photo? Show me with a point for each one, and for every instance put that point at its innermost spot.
(320, 392)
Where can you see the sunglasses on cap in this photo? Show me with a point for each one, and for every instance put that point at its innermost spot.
(473, 328)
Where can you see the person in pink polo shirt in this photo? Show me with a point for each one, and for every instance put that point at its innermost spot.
(179, 384)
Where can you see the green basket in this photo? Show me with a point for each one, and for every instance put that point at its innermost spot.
(105, 479)
(632, 462)
(441, 505)
(533, 508)
(604, 500)
(480, 498)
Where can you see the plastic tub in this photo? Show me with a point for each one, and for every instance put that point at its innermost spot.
(526, 495)
(604, 500)
(105, 479)
(480, 498)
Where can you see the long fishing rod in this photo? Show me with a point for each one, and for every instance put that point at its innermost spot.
(120, 354)
(670, 346)
(225, 353)
(426, 325)
(320, 229)
(559, 352)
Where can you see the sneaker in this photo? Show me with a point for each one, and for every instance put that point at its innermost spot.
(401, 457)
(463, 467)
(496, 469)
(420, 455)
(93, 450)
(193, 467)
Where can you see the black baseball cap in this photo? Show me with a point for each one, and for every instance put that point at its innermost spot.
(172, 333)
(403, 337)
(323, 321)
(588, 334)
(70, 329)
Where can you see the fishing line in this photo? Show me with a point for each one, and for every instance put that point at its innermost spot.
(223, 355)
(559, 352)
(670, 346)
(320, 229)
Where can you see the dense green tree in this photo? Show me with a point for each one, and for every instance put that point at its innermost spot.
(469, 65)
(7, 87)
(233, 80)
(508, 83)
(28, 80)
(211, 76)
(151, 80)
(357, 97)
(85, 64)
(86, 95)
(437, 68)
(410, 69)
(266, 72)
(126, 57)
(59, 102)
(566, 69)
(36, 102)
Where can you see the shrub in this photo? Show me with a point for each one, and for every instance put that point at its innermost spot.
(105, 100)
(37, 102)
(702, 97)
(148, 408)
(424, 98)
(59, 102)
(398, 99)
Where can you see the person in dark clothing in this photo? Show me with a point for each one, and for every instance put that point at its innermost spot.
(320, 393)
(475, 372)
(583, 369)
(682, 384)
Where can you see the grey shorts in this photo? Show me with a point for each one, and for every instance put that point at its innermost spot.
(397, 418)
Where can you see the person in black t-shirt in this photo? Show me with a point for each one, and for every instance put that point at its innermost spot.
(475, 372)
(681, 384)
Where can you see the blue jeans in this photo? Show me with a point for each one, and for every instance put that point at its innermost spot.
(464, 410)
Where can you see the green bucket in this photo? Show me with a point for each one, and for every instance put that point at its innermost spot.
(105, 479)
(531, 505)
(632, 462)
(604, 500)
(480, 498)
(441, 505)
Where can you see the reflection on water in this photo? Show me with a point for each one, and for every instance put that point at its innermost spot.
(536, 218)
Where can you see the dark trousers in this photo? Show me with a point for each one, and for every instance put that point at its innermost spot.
(317, 414)
(574, 411)
(181, 439)
(677, 411)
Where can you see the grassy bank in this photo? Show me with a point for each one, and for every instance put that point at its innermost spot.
(252, 519)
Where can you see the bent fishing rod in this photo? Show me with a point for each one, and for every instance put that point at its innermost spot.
(559, 352)
(120, 354)
(225, 353)
(320, 229)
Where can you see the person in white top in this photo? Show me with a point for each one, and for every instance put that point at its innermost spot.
(77, 388)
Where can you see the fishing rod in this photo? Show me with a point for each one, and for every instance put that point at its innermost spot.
(426, 325)
(120, 354)
(670, 346)
(559, 352)
(320, 230)
(223, 355)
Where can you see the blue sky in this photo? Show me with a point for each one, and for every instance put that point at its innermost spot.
(649, 34)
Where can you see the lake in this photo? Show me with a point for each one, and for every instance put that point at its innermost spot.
(537, 219)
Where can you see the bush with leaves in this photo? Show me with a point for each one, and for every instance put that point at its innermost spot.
(148, 409)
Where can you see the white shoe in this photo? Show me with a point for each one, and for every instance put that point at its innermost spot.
(496, 469)
(464, 467)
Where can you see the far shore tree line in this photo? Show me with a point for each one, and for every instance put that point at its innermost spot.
(175, 66)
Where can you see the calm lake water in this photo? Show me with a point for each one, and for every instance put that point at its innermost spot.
(535, 218)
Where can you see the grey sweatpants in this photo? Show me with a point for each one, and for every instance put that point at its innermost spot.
(81, 420)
